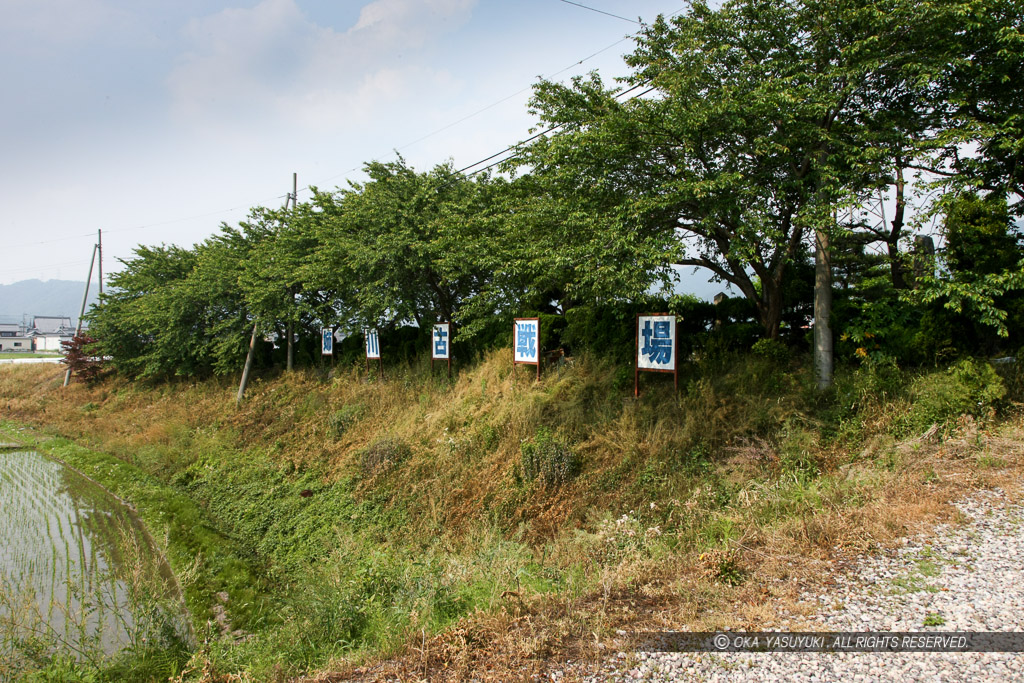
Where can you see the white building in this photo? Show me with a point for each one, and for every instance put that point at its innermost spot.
(50, 331)
(16, 337)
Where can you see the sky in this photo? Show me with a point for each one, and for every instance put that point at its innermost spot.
(157, 121)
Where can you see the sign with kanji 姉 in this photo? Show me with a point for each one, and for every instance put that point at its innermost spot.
(326, 341)
(372, 344)
(440, 341)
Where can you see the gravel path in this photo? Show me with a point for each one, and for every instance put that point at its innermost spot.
(964, 578)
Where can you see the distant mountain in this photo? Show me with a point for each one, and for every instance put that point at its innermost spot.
(30, 298)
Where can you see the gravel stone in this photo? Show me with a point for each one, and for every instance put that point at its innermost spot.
(964, 578)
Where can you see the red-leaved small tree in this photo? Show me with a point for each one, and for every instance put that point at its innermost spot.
(79, 360)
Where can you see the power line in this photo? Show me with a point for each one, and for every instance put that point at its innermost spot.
(537, 135)
(599, 11)
(500, 101)
(404, 146)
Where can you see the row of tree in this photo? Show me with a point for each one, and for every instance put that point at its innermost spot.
(742, 133)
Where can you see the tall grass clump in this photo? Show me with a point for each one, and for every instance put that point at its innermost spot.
(548, 459)
(969, 387)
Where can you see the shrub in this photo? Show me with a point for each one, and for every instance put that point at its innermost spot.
(341, 420)
(771, 350)
(548, 459)
(384, 454)
(79, 358)
(970, 387)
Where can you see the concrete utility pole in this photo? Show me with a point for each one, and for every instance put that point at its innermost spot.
(85, 298)
(99, 247)
(823, 357)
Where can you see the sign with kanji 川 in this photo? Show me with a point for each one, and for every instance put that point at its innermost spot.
(372, 344)
(440, 341)
(526, 341)
(326, 341)
(656, 342)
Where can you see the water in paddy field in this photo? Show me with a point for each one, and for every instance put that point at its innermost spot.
(78, 574)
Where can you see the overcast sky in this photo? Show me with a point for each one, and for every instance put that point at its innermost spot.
(157, 121)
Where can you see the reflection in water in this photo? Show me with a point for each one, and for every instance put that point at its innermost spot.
(75, 565)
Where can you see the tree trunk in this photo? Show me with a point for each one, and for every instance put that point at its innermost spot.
(899, 280)
(769, 309)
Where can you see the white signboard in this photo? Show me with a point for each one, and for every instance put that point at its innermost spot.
(441, 342)
(656, 342)
(326, 341)
(526, 340)
(372, 343)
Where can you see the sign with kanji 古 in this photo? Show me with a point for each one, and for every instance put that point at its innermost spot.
(656, 342)
(440, 341)
(526, 341)
(326, 341)
(372, 344)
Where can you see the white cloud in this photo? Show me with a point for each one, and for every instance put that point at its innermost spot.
(271, 61)
(410, 22)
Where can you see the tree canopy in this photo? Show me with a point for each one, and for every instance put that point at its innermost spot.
(740, 133)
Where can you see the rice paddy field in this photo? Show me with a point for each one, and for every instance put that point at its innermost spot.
(79, 577)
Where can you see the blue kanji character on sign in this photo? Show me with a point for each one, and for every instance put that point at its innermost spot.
(657, 342)
(440, 343)
(526, 343)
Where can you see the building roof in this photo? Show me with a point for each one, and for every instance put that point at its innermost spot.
(51, 324)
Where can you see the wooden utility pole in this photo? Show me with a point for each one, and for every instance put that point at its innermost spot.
(99, 248)
(85, 299)
(255, 328)
(291, 293)
(248, 364)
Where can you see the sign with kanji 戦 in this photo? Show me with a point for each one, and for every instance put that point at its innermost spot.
(440, 341)
(326, 341)
(372, 344)
(526, 341)
(656, 347)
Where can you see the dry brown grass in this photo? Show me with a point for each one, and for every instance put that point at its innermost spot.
(463, 439)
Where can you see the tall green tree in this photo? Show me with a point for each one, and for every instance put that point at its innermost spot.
(746, 137)
(403, 246)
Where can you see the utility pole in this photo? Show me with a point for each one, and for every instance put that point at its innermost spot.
(823, 356)
(85, 298)
(291, 292)
(99, 247)
(255, 329)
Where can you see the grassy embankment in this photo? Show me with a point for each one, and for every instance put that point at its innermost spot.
(486, 524)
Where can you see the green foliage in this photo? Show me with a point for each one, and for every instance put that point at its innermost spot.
(549, 459)
(969, 387)
(772, 350)
(984, 279)
(340, 420)
(384, 454)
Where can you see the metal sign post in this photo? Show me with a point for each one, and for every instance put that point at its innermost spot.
(526, 343)
(657, 347)
(441, 345)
